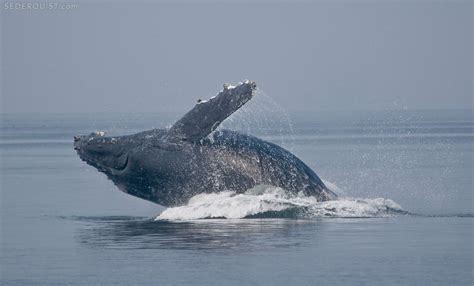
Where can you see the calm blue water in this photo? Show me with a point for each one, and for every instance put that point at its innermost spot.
(63, 223)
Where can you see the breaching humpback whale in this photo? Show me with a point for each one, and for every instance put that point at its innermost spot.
(169, 166)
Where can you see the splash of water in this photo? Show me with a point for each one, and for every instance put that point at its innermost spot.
(265, 118)
(269, 201)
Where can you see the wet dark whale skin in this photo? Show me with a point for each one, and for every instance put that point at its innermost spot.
(171, 175)
(169, 166)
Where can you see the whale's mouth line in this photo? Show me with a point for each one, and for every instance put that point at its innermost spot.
(119, 170)
(104, 168)
(124, 166)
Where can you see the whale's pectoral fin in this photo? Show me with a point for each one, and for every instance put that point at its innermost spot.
(207, 115)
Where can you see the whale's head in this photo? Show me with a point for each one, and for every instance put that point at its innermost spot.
(135, 163)
(108, 154)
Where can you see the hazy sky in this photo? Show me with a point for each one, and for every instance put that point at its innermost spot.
(156, 56)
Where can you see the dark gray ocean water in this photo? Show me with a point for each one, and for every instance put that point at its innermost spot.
(63, 223)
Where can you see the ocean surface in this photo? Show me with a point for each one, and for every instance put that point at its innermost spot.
(405, 214)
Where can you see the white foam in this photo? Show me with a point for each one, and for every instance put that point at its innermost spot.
(263, 199)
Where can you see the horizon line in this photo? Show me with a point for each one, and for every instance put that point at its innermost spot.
(289, 111)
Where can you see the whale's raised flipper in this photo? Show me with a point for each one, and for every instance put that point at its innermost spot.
(207, 115)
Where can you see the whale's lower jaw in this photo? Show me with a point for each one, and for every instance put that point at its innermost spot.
(111, 171)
